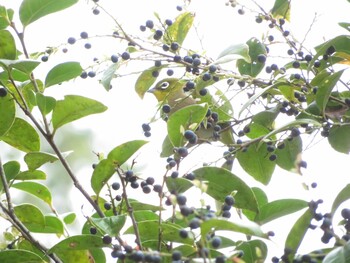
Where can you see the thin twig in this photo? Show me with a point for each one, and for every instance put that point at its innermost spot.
(130, 210)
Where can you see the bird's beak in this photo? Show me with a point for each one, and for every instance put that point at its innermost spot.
(151, 90)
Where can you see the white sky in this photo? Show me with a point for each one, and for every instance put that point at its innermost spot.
(218, 26)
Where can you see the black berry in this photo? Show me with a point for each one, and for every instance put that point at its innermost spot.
(106, 239)
(125, 55)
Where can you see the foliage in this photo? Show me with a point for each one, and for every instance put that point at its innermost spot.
(306, 92)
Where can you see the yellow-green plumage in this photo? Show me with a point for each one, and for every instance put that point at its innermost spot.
(170, 91)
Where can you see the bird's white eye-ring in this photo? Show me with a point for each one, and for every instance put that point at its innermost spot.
(164, 85)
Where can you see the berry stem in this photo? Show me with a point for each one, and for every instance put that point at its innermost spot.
(130, 210)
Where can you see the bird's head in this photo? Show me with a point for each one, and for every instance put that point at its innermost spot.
(167, 88)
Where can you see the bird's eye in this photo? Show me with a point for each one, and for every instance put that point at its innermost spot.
(164, 85)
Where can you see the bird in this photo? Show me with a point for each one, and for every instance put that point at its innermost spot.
(170, 91)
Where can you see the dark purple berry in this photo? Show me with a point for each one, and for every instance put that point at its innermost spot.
(168, 22)
(203, 92)
(176, 255)
(182, 151)
(44, 58)
(261, 58)
(206, 76)
(93, 230)
(71, 40)
(181, 199)
(106, 239)
(174, 174)
(146, 189)
(115, 186)
(84, 35)
(183, 233)
(216, 242)
(150, 180)
(174, 46)
(125, 55)
(149, 24)
(114, 58)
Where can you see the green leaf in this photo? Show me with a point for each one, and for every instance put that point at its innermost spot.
(102, 173)
(266, 118)
(138, 206)
(345, 25)
(298, 231)
(325, 89)
(177, 32)
(81, 256)
(253, 251)
(257, 130)
(26, 66)
(108, 75)
(8, 113)
(289, 125)
(342, 196)
(288, 156)
(7, 45)
(74, 107)
(255, 97)
(11, 169)
(6, 16)
(255, 161)
(279, 208)
(45, 103)
(179, 185)
(167, 148)
(69, 218)
(35, 160)
(182, 119)
(253, 67)
(222, 105)
(339, 138)
(281, 9)
(26, 245)
(32, 10)
(338, 255)
(110, 225)
(63, 72)
(53, 225)
(222, 182)
(120, 154)
(145, 215)
(31, 175)
(22, 136)
(233, 52)
(18, 67)
(149, 231)
(79, 242)
(19, 256)
(36, 189)
(261, 199)
(146, 80)
(30, 215)
(341, 45)
(244, 227)
(16, 75)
